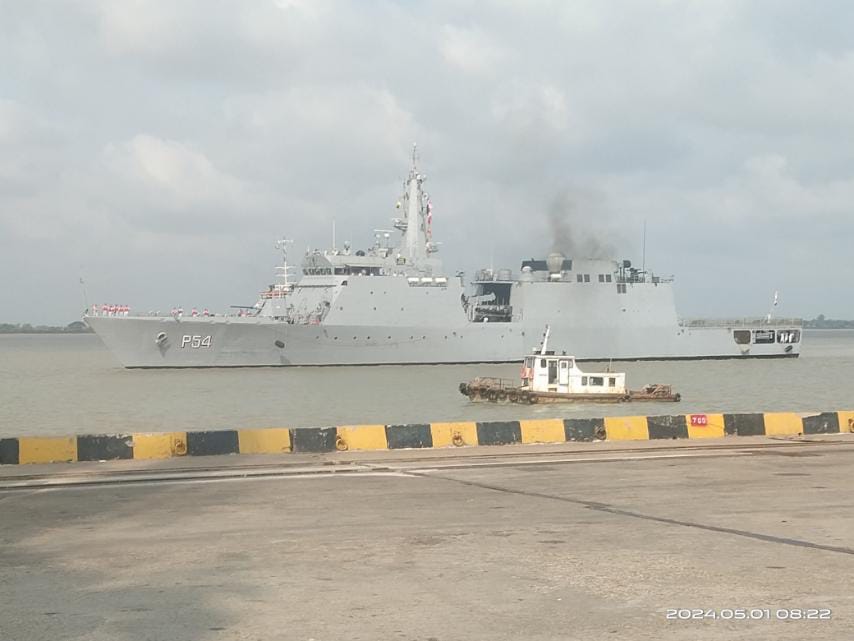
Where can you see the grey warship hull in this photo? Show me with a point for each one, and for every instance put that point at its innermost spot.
(244, 342)
(394, 305)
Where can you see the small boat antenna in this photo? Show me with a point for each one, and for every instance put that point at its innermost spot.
(773, 305)
(545, 341)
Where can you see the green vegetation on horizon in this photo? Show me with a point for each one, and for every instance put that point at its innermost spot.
(820, 322)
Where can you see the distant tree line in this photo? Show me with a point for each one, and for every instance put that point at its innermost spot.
(820, 322)
(77, 327)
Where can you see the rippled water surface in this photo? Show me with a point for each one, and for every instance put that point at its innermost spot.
(57, 384)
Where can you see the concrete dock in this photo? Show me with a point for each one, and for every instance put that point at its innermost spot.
(574, 541)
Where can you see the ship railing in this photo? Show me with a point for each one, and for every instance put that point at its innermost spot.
(492, 381)
(741, 322)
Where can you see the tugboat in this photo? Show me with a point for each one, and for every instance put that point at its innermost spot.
(548, 378)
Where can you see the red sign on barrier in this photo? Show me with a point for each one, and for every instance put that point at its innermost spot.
(699, 419)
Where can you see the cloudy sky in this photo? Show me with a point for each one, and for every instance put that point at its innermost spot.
(157, 149)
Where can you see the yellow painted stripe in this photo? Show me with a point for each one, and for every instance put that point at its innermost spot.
(363, 437)
(47, 449)
(846, 422)
(781, 423)
(444, 434)
(544, 431)
(272, 440)
(626, 428)
(714, 427)
(159, 445)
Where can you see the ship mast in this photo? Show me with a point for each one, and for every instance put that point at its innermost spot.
(415, 238)
(283, 269)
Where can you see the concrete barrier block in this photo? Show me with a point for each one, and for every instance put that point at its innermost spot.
(626, 428)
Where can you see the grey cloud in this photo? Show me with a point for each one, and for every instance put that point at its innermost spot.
(161, 148)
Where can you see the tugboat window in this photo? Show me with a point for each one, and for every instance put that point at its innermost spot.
(597, 380)
(612, 382)
(579, 278)
(741, 336)
(584, 380)
(763, 336)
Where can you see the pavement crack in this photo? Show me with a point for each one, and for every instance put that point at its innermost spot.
(610, 509)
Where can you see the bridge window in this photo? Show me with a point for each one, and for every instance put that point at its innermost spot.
(612, 382)
(788, 335)
(579, 278)
(607, 278)
(597, 381)
(601, 278)
(741, 336)
(763, 336)
(584, 380)
(586, 278)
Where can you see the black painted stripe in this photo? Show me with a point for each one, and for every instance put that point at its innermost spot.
(212, 443)
(314, 439)
(667, 426)
(744, 424)
(584, 429)
(9, 451)
(104, 447)
(412, 435)
(824, 423)
(499, 433)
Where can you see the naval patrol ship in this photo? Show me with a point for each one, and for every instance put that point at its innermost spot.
(394, 304)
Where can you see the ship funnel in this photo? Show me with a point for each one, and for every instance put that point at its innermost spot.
(554, 262)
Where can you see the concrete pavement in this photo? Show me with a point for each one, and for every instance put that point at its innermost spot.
(514, 543)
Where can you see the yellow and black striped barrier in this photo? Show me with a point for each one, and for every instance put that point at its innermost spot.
(44, 449)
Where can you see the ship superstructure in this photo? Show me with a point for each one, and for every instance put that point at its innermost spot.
(394, 304)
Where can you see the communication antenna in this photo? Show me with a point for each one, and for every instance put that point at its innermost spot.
(643, 259)
(85, 297)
